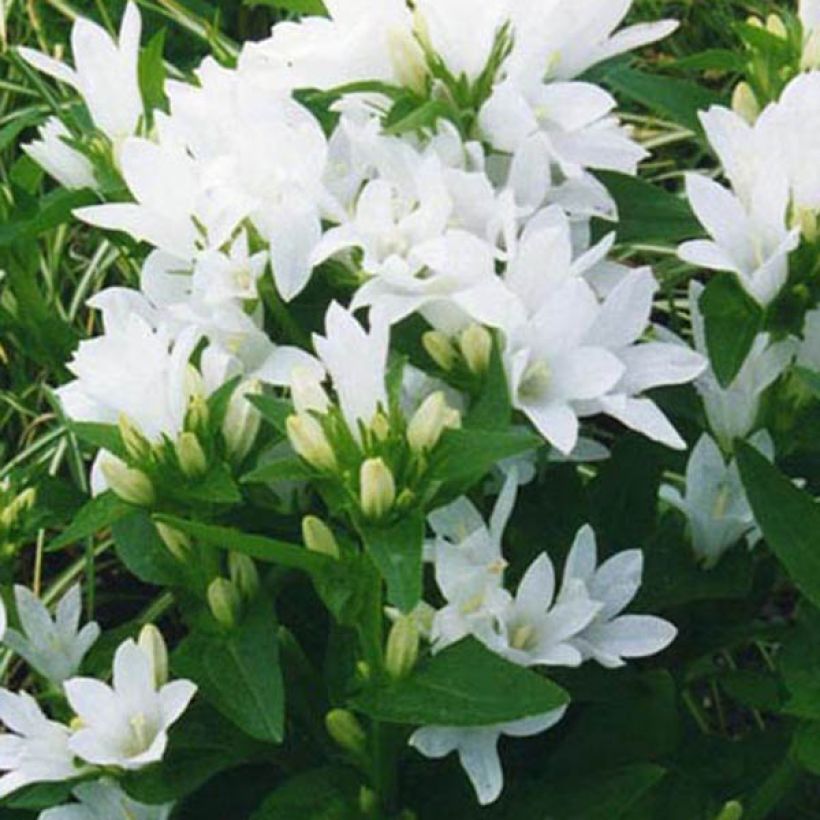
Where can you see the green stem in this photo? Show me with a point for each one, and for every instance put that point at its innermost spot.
(279, 311)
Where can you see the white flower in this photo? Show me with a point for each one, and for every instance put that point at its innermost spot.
(52, 153)
(611, 637)
(623, 319)
(550, 365)
(358, 41)
(55, 647)
(34, 749)
(225, 277)
(105, 800)
(357, 363)
(539, 629)
(732, 411)
(4, 619)
(469, 566)
(126, 724)
(715, 503)
(106, 73)
(560, 39)
(477, 748)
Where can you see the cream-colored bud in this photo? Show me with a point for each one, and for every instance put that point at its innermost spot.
(380, 426)
(432, 418)
(14, 511)
(242, 421)
(130, 485)
(309, 440)
(198, 415)
(811, 52)
(307, 392)
(744, 103)
(476, 344)
(732, 810)
(407, 60)
(194, 384)
(402, 647)
(318, 537)
(806, 220)
(776, 26)
(244, 574)
(344, 727)
(178, 543)
(192, 459)
(136, 445)
(153, 646)
(378, 488)
(440, 349)
(225, 602)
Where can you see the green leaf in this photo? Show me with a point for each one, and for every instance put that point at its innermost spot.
(202, 744)
(647, 212)
(239, 672)
(464, 685)
(467, 455)
(280, 469)
(216, 487)
(55, 209)
(313, 7)
(677, 100)
(98, 514)
(152, 72)
(102, 436)
(799, 662)
(274, 410)
(328, 793)
(397, 552)
(493, 409)
(144, 553)
(733, 319)
(260, 547)
(806, 749)
(595, 795)
(789, 518)
(712, 59)
(810, 378)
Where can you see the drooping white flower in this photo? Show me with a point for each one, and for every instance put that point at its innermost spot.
(126, 724)
(714, 502)
(477, 748)
(56, 646)
(33, 749)
(105, 800)
(52, 153)
(105, 74)
(612, 637)
(357, 363)
(732, 411)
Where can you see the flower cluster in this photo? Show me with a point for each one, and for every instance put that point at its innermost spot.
(378, 264)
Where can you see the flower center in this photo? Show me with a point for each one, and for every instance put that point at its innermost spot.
(535, 381)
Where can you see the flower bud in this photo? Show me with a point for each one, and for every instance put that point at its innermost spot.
(318, 537)
(178, 543)
(407, 60)
(309, 440)
(776, 26)
(198, 415)
(242, 421)
(811, 52)
(806, 220)
(754, 22)
(429, 422)
(744, 103)
(130, 485)
(476, 346)
(402, 647)
(731, 811)
(380, 426)
(440, 349)
(378, 488)
(368, 802)
(191, 456)
(136, 445)
(345, 729)
(153, 646)
(17, 508)
(307, 392)
(225, 602)
(244, 575)
(193, 384)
